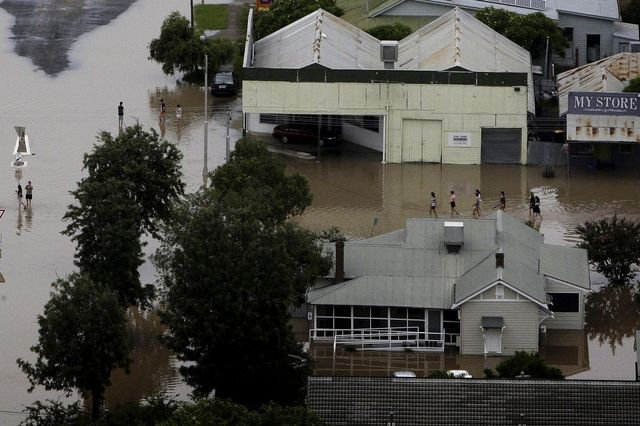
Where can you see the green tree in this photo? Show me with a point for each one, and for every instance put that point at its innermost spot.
(232, 265)
(529, 364)
(396, 31)
(131, 182)
(634, 86)
(631, 12)
(528, 31)
(284, 12)
(180, 49)
(613, 246)
(82, 338)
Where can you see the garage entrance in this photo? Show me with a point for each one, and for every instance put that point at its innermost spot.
(421, 141)
(501, 145)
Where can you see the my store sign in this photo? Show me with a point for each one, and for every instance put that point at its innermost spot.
(603, 117)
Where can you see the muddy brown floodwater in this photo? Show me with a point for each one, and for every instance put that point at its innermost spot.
(109, 64)
(352, 189)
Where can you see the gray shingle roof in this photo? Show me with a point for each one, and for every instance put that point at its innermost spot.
(412, 267)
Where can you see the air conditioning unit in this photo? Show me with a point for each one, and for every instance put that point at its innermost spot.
(389, 53)
(634, 46)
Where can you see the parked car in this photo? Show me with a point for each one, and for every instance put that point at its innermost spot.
(406, 374)
(459, 374)
(306, 134)
(224, 84)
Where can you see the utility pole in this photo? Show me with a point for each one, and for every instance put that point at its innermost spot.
(205, 171)
(191, 13)
(226, 158)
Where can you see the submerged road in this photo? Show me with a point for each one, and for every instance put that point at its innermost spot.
(44, 30)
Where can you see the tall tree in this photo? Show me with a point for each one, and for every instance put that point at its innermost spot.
(613, 245)
(82, 337)
(232, 266)
(131, 183)
(528, 31)
(284, 12)
(180, 49)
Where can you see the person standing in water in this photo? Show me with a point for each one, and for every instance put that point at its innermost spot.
(434, 204)
(29, 193)
(452, 203)
(502, 202)
(120, 115)
(536, 208)
(532, 201)
(476, 205)
(178, 113)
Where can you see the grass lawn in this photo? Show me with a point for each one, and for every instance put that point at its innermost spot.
(211, 16)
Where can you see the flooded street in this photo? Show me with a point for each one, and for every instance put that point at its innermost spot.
(64, 108)
(62, 115)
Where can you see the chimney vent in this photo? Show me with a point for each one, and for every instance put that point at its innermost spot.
(453, 236)
(339, 277)
(499, 260)
(389, 53)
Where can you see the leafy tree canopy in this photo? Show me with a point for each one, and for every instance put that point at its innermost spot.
(396, 31)
(180, 49)
(634, 85)
(528, 31)
(613, 246)
(631, 12)
(232, 266)
(284, 12)
(529, 364)
(131, 182)
(81, 339)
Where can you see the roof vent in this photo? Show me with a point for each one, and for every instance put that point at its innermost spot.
(453, 236)
(389, 53)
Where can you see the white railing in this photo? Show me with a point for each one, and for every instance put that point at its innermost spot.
(400, 338)
(529, 4)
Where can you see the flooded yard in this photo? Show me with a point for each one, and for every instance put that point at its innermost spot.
(64, 109)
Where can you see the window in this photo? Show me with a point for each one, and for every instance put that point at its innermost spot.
(568, 34)
(565, 302)
(623, 47)
(499, 292)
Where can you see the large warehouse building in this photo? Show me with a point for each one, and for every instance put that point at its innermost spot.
(454, 91)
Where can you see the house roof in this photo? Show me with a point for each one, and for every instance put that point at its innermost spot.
(565, 264)
(610, 74)
(412, 268)
(318, 38)
(385, 290)
(626, 30)
(603, 9)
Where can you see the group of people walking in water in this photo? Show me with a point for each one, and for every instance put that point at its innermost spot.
(534, 205)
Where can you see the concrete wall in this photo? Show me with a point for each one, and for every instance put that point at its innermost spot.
(460, 109)
(520, 322)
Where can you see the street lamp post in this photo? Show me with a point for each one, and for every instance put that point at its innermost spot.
(205, 171)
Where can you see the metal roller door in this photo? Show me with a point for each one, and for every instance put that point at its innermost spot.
(421, 141)
(501, 145)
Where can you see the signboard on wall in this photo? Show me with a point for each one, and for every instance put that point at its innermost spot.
(603, 117)
(459, 139)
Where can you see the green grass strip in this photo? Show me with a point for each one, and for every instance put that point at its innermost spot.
(211, 16)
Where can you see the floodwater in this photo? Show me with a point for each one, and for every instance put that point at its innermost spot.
(63, 110)
(64, 106)
(351, 190)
